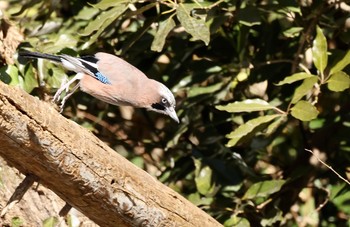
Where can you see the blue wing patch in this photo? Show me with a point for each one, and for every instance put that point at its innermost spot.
(102, 78)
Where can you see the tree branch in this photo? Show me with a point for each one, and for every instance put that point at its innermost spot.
(84, 171)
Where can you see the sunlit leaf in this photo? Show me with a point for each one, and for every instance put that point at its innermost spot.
(340, 65)
(159, 39)
(9, 75)
(273, 126)
(304, 111)
(193, 25)
(57, 78)
(236, 221)
(263, 189)
(304, 88)
(199, 200)
(338, 81)
(248, 127)
(138, 161)
(30, 81)
(104, 19)
(50, 222)
(294, 78)
(242, 75)
(319, 50)
(248, 105)
(105, 4)
(86, 13)
(292, 32)
(16, 222)
(59, 43)
(203, 178)
(194, 91)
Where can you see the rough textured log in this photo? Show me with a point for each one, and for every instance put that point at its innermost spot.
(84, 171)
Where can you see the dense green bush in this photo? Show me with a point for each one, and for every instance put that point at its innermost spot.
(258, 83)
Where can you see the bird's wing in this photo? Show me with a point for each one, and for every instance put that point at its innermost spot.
(86, 65)
(107, 68)
(116, 70)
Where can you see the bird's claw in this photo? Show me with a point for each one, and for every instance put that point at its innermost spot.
(65, 86)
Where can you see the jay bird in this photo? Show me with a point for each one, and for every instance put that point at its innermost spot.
(112, 80)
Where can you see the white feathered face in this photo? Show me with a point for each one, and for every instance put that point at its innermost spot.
(166, 103)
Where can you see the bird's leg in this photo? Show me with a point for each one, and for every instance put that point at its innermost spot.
(65, 86)
(68, 95)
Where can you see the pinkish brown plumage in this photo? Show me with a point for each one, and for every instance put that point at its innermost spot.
(113, 80)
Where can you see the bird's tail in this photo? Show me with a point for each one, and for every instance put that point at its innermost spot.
(29, 54)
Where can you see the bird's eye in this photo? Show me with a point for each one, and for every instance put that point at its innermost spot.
(164, 101)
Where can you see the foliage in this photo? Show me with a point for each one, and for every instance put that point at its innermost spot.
(257, 83)
(50, 222)
(16, 222)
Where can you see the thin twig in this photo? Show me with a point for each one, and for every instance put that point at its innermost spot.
(329, 167)
(325, 201)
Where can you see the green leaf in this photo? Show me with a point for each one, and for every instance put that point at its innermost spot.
(199, 200)
(55, 79)
(340, 197)
(294, 78)
(236, 221)
(263, 189)
(248, 105)
(292, 32)
(273, 126)
(319, 50)
(193, 25)
(317, 123)
(16, 222)
(9, 75)
(105, 4)
(194, 91)
(203, 178)
(338, 81)
(50, 222)
(103, 23)
(105, 19)
(58, 43)
(304, 111)
(159, 39)
(340, 65)
(248, 127)
(27, 82)
(30, 81)
(304, 88)
(86, 13)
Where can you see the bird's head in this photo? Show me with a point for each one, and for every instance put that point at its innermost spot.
(164, 102)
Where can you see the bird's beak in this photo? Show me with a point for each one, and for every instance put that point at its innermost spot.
(172, 113)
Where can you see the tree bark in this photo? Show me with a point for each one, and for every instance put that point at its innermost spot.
(84, 171)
